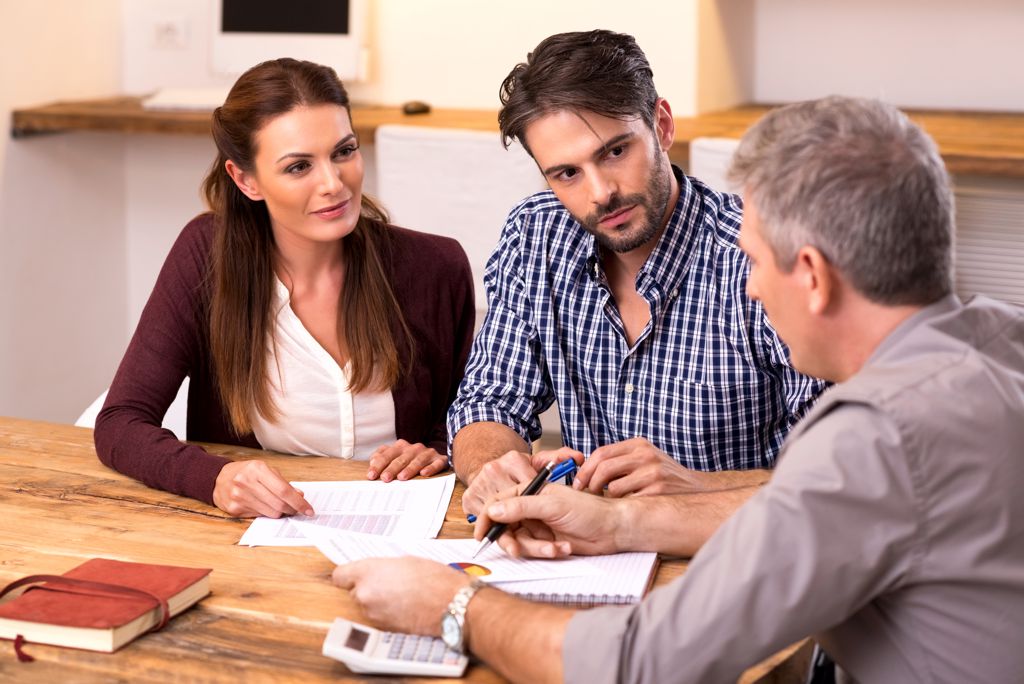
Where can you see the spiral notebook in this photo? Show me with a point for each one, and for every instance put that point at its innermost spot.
(624, 580)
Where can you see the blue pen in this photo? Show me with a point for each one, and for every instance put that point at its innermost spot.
(564, 469)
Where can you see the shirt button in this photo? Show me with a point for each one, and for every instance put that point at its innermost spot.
(674, 293)
(629, 388)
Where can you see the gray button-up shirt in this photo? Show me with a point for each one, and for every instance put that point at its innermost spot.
(892, 530)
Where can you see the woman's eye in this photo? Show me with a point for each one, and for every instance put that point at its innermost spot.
(297, 167)
(345, 152)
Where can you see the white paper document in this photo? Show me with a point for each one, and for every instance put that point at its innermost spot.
(493, 565)
(622, 578)
(408, 509)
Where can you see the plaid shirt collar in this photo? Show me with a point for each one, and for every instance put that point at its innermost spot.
(659, 278)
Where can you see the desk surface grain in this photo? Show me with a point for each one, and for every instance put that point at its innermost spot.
(270, 607)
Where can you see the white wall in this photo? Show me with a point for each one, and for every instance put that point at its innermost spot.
(939, 54)
(61, 212)
(451, 53)
(455, 53)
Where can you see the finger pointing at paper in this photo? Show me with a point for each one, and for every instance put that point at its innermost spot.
(246, 489)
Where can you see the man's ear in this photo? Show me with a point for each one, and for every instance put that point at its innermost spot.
(818, 278)
(664, 124)
(245, 182)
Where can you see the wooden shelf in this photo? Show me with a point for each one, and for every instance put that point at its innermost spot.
(981, 143)
(126, 115)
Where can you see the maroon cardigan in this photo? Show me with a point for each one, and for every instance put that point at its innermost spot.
(432, 282)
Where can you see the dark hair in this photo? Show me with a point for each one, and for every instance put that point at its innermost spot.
(242, 262)
(594, 71)
(862, 183)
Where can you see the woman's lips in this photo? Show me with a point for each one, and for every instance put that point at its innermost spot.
(332, 212)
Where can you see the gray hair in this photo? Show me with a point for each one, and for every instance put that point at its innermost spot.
(859, 181)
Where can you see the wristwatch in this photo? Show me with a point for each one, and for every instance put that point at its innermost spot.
(453, 622)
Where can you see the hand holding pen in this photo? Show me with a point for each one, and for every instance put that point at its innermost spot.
(564, 471)
(498, 529)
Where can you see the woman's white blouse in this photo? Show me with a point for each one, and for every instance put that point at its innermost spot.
(317, 414)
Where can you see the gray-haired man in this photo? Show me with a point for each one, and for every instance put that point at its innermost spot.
(892, 529)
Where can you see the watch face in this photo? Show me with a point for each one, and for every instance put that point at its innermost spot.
(451, 631)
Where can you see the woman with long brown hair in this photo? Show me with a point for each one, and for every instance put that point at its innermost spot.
(305, 322)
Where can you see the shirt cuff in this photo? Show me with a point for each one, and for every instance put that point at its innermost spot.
(462, 416)
(201, 480)
(594, 639)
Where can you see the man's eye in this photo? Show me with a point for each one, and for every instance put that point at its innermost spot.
(569, 174)
(617, 151)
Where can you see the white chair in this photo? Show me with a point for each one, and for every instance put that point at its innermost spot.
(174, 419)
(710, 159)
(453, 182)
(457, 183)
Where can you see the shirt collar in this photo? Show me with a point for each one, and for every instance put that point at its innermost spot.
(943, 306)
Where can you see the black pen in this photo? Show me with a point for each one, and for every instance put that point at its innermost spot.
(498, 529)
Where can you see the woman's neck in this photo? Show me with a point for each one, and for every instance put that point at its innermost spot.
(304, 265)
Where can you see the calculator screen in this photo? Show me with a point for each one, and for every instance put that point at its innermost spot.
(357, 639)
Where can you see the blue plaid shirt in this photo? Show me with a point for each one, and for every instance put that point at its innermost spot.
(708, 381)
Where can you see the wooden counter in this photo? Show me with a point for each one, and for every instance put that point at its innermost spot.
(270, 607)
(971, 142)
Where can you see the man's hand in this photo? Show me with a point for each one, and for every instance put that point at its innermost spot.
(402, 461)
(636, 466)
(246, 489)
(542, 458)
(556, 523)
(495, 476)
(382, 588)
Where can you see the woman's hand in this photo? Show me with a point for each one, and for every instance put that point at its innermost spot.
(246, 489)
(403, 461)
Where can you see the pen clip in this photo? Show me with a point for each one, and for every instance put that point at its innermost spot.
(564, 469)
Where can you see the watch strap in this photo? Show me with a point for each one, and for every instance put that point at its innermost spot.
(460, 604)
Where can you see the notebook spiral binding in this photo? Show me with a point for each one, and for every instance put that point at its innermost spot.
(581, 600)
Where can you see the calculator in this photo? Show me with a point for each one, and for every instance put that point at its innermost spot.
(367, 650)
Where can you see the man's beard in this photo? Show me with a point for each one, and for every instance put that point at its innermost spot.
(654, 203)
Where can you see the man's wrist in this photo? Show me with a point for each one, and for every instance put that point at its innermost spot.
(454, 623)
(735, 479)
(627, 519)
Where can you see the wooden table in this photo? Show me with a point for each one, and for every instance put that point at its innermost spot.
(985, 143)
(270, 607)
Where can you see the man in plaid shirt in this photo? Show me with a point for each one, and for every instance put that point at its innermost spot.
(619, 293)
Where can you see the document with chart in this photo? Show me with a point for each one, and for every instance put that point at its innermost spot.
(493, 565)
(408, 509)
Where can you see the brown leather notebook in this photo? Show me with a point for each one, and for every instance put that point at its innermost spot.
(102, 604)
